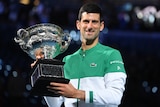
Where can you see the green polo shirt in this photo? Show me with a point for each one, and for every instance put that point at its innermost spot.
(95, 62)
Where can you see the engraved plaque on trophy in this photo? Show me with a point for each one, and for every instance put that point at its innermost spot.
(52, 41)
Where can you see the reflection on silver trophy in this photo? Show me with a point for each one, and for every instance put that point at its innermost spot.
(51, 39)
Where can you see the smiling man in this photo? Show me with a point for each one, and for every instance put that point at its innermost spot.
(96, 72)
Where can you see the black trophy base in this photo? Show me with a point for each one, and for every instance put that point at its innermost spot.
(40, 86)
(44, 72)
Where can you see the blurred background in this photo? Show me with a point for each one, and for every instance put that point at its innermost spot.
(131, 26)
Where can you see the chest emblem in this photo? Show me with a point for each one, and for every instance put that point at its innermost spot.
(93, 65)
(118, 67)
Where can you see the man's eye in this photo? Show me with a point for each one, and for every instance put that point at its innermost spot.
(94, 21)
(86, 21)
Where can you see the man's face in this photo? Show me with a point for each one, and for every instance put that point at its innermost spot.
(90, 26)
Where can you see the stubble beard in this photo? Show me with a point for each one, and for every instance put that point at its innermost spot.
(90, 41)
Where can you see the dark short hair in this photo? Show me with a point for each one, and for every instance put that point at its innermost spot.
(90, 8)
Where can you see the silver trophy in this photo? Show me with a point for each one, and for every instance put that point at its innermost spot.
(52, 41)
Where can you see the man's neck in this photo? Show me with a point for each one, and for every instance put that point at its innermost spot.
(86, 47)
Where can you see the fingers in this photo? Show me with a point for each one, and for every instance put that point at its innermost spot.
(52, 90)
(32, 65)
(58, 88)
(56, 84)
(55, 90)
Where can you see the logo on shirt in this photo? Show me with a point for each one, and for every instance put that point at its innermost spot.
(118, 67)
(93, 64)
(116, 61)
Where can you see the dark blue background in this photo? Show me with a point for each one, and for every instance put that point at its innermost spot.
(138, 43)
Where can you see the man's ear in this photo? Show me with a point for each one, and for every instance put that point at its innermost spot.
(102, 26)
(78, 24)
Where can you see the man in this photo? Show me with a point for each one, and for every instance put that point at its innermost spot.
(96, 72)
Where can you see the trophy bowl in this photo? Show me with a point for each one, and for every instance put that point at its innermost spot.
(52, 41)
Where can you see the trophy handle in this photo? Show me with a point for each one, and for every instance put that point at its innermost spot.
(22, 33)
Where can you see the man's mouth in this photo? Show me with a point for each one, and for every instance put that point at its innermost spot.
(89, 31)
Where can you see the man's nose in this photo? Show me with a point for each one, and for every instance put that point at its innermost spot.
(90, 24)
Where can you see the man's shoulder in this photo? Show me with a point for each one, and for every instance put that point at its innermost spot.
(107, 48)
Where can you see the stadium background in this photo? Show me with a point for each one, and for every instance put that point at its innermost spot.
(132, 26)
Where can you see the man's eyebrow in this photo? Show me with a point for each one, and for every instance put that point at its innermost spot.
(95, 21)
(86, 20)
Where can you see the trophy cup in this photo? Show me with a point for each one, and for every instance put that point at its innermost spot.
(51, 39)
